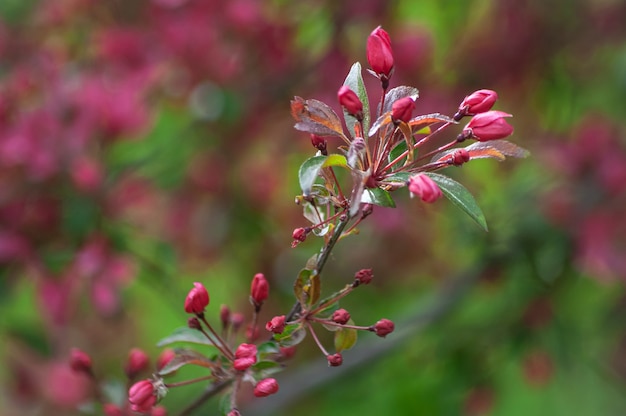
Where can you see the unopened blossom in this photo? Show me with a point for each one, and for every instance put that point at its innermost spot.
(137, 362)
(490, 125)
(364, 276)
(379, 53)
(478, 102)
(266, 387)
(165, 357)
(245, 356)
(197, 299)
(158, 411)
(319, 143)
(276, 325)
(424, 187)
(460, 156)
(110, 409)
(383, 327)
(225, 316)
(402, 109)
(259, 289)
(341, 316)
(334, 360)
(350, 101)
(80, 361)
(142, 396)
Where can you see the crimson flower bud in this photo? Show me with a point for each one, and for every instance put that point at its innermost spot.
(402, 109)
(197, 299)
(194, 323)
(259, 290)
(276, 325)
(165, 357)
(477, 102)
(319, 143)
(252, 333)
(225, 316)
(110, 409)
(490, 125)
(340, 316)
(137, 362)
(245, 356)
(266, 387)
(237, 320)
(158, 411)
(234, 412)
(299, 234)
(364, 276)
(142, 396)
(334, 360)
(80, 361)
(383, 327)
(424, 187)
(379, 53)
(460, 156)
(350, 101)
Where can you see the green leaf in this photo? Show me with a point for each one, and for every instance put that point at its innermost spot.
(263, 369)
(309, 171)
(267, 348)
(185, 334)
(184, 357)
(378, 197)
(345, 338)
(307, 287)
(396, 152)
(336, 160)
(354, 81)
(460, 197)
(398, 177)
(292, 335)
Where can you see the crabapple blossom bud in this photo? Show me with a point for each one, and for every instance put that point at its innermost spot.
(237, 320)
(340, 316)
(165, 357)
(110, 409)
(266, 387)
(245, 356)
(137, 362)
(197, 299)
(363, 276)
(225, 316)
(402, 109)
(477, 102)
(319, 143)
(460, 156)
(334, 360)
(380, 55)
(259, 289)
(350, 101)
(252, 333)
(490, 125)
(299, 234)
(383, 328)
(158, 411)
(424, 187)
(80, 361)
(234, 412)
(194, 323)
(142, 396)
(276, 325)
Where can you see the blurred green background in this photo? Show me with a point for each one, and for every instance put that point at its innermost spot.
(146, 145)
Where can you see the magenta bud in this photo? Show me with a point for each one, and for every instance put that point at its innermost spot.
(424, 187)
(350, 101)
(402, 109)
(383, 328)
(334, 360)
(137, 362)
(110, 409)
(197, 299)
(158, 411)
(364, 276)
(276, 325)
(319, 143)
(259, 289)
(80, 361)
(165, 357)
(490, 125)
(225, 316)
(460, 156)
(245, 356)
(266, 387)
(478, 102)
(194, 323)
(142, 396)
(340, 316)
(379, 53)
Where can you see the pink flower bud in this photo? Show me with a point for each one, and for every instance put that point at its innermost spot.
(379, 53)
(489, 126)
(111, 409)
(350, 101)
(334, 360)
(194, 323)
(245, 356)
(165, 357)
(460, 156)
(424, 187)
(266, 387)
(478, 102)
(234, 412)
(197, 299)
(299, 234)
(383, 327)
(276, 325)
(158, 411)
(142, 396)
(225, 316)
(237, 320)
(259, 290)
(252, 333)
(341, 316)
(319, 143)
(80, 361)
(137, 362)
(364, 276)
(402, 109)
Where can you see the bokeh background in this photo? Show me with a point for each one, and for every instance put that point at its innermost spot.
(146, 145)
